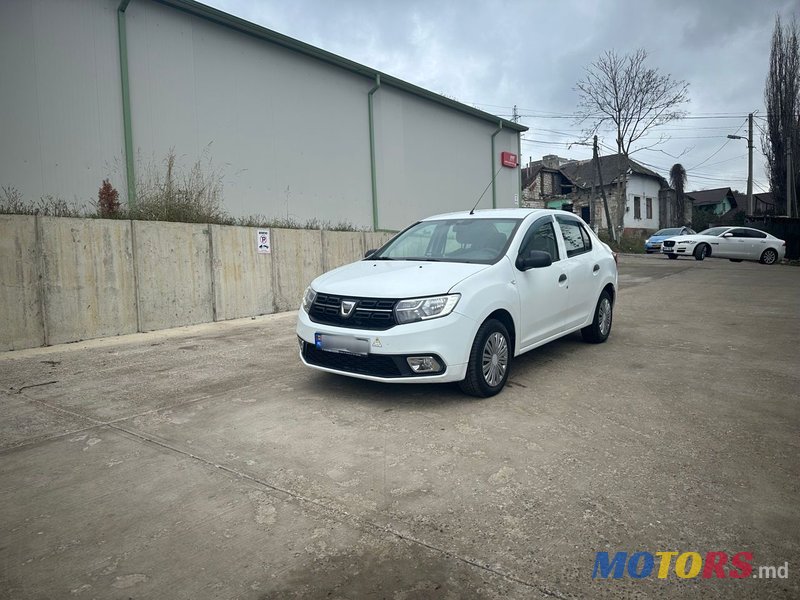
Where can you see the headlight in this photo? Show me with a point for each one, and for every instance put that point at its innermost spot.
(422, 309)
(308, 298)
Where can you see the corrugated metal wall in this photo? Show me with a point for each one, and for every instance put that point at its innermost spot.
(288, 132)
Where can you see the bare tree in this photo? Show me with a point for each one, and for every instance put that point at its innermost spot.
(678, 179)
(782, 98)
(622, 91)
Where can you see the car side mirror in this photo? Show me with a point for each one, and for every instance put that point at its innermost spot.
(727, 234)
(535, 259)
(369, 253)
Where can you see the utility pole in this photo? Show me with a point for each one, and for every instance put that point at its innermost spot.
(515, 115)
(611, 231)
(750, 207)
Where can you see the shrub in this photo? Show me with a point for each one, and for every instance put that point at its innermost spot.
(107, 201)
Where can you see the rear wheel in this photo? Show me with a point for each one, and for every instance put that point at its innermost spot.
(769, 256)
(489, 360)
(701, 252)
(600, 329)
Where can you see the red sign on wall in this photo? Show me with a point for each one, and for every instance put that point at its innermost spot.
(508, 159)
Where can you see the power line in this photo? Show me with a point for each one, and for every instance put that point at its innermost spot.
(727, 141)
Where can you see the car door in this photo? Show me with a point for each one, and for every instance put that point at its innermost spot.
(581, 269)
(757, 243)
(740, 243)
(726, 245)
(542, 291)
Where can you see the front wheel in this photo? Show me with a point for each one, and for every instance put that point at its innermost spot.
(600, 329)
(489, 360)
(701, 252)
(769, 256)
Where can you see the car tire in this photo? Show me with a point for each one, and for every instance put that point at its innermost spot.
(768, 257)
(701, 252)
(489, 360)
(672, 256)
(600, 329)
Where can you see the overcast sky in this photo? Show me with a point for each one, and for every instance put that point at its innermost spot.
(495, 55)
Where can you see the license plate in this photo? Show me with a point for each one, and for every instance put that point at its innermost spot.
(341, 343)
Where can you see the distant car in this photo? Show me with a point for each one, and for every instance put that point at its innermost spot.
(734, 243)
(653, 243)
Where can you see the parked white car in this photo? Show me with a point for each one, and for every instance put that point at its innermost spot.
(734, 243)
(454, 297)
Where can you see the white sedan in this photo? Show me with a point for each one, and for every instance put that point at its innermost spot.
(455, 297)
(734, 243)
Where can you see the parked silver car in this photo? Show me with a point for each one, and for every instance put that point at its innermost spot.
(734, 243)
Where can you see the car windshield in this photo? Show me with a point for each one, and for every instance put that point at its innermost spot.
(715, 231)
(673, 231)
(477, 240)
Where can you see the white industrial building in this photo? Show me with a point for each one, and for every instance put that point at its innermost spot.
(94, 88)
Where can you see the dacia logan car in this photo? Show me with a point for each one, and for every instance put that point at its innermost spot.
(453, 298)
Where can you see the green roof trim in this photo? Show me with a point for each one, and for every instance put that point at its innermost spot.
(222, 18)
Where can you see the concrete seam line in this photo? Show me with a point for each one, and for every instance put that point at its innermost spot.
(338, 511)
(32, 444)
(136, 299)
(37, 236)
(213, 277)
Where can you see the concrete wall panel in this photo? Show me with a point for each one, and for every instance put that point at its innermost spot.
(87, 272)
(375, 239)
(340, 248)
(298, 260)
(21, 324)
(173, 268)
(242, 276)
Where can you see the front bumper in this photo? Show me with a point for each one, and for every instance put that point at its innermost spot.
(449, 339)
(652, 247)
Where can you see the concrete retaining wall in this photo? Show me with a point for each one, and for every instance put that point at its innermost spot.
(64, 280)
(173, 272)
(242, 276)
(21, 322)
(86, 268)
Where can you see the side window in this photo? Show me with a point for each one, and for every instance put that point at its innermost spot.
(637, 207)
(739, 233)
(576, 238)
(541, 236)
(649, 205)
(752, 233)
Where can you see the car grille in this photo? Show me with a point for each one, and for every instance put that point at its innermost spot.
(668, 243)
(377, 365)
(369, 313)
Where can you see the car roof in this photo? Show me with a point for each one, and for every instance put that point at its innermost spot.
(499, 213)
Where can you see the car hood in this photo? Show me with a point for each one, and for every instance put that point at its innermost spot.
(695, 237)
(658, 238)
(394, 278)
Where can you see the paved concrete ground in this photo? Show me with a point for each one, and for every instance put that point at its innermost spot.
(206, 462)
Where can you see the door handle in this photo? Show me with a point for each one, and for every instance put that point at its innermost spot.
(562, 279)
(596, 269)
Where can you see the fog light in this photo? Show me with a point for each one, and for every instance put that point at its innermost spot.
(423, 364)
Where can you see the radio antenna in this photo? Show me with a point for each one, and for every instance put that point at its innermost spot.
(472, 212)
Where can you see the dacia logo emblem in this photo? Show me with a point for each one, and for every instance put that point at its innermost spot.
(346, 309)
